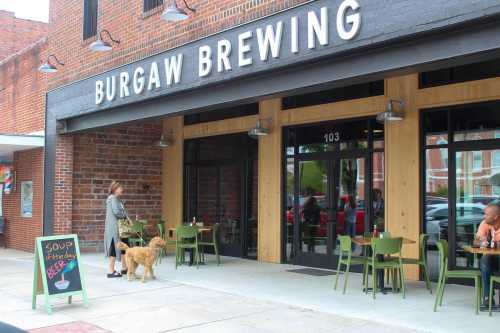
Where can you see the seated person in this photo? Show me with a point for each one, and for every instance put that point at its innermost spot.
(490, 225)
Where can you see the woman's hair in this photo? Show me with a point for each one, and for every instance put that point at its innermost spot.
(114, 186)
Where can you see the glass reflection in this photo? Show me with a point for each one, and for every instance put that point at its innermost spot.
(313, 206)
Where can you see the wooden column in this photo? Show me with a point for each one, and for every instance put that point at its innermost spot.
(269, 224)
(172, 172)
(402, 167)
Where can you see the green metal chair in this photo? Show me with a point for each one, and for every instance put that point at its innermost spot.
(492, 280)
(390, 248)
(445, 274)
(186, 237)
(422, 260)
(346, 259)
(213, 242)
(138, 230)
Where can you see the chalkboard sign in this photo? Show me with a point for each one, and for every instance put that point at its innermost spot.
(57, 264)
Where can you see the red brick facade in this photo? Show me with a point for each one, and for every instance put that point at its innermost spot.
(22, 106)
(22, 91)
(21, 231)
(141, 35)
(18, 33)
(125, 154)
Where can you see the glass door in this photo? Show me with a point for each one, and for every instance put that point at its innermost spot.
(330, 201)
(475, 173)
(350, 205)
(313, 217)
(229, 209)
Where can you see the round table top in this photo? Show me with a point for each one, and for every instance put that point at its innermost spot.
(365, 241)
(483, 250)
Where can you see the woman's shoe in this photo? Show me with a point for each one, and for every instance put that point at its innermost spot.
(115, 274)
(124, 271)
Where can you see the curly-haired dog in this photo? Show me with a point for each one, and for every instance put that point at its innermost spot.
(145, 256)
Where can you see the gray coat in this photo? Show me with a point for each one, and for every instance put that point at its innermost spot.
(114, 212)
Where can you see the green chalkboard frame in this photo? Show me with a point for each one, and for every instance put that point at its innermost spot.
(40, 268)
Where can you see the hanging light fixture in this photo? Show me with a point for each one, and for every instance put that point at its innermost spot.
(102, 46)
(47, 67)
(389, 114)
(258, 130)
(175, 14)
(164, 142)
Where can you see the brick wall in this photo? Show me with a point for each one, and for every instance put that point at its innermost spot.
(122, 153)
(22, 90)
(141, 35)
(21, 231)
(18, 33)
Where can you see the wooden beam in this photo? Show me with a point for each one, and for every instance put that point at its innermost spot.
(459, 93)
(269, 223)
(402, 168)
(226, 126)
(172, 173)
(333, 111)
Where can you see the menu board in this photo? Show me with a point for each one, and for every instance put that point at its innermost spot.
(61, 266)
(57, 266)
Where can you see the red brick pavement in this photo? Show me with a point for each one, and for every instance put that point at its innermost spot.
(74, 327)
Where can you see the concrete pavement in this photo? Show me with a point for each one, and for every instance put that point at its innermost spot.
(238, 296)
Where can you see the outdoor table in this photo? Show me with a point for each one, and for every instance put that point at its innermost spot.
(367, 241)
(485, 251)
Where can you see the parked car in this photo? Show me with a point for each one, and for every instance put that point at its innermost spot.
(469, 215)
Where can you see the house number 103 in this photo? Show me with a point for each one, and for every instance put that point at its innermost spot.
(332, 137)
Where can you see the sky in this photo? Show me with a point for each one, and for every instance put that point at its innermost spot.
(27, 9)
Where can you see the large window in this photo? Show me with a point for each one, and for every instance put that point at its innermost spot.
(375, 88)
(89, 18)
(461, 146)
(151, 4)
(476, 71)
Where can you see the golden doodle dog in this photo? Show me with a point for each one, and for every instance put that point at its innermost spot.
(145, 256)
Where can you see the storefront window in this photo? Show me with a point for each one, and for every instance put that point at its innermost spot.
(289, 213)
(457, 189)
(436, 204)
(378, 192)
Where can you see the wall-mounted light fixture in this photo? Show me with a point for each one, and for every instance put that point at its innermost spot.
(47, 67)
(390, 114)
(165, 140)
(175, 14)
(259, 130)
(102, 46)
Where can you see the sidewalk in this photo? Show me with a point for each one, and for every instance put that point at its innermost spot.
(238, 296)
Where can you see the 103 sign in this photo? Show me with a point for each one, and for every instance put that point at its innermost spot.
(332, 137)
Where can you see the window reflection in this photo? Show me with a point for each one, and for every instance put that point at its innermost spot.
(313, 206)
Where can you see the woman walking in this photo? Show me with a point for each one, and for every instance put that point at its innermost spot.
(114, 211)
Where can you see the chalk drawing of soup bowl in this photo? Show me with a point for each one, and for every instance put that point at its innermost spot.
(62, 284)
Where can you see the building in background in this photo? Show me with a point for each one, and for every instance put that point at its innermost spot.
(23, 47)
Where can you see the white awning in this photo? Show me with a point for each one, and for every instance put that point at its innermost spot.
(9, 143)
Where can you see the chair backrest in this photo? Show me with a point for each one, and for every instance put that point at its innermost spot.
(186, 231)
(345, 243)
(138, 227)
(215, 230)
(386, 246)
(422, 242)
(161, 229)
(442, 246)
(385, 234)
